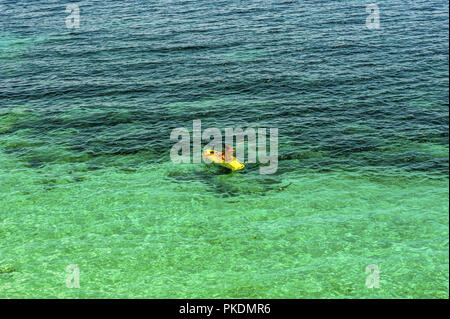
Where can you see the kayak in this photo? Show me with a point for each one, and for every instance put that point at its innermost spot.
(218, 158)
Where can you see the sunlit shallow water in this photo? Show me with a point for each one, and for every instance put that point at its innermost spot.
(86, 177)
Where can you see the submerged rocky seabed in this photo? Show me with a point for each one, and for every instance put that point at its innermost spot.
(86, 177)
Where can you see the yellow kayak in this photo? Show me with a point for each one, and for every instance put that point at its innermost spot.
(219, 158)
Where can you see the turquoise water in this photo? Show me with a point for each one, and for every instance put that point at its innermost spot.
(86, 177)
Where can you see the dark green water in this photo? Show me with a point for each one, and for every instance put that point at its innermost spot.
(86, 177)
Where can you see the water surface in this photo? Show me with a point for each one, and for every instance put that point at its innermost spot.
(86, 177)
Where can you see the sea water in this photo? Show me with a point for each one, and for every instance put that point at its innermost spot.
(86, 180)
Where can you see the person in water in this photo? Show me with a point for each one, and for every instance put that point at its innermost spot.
(226, 156)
